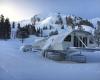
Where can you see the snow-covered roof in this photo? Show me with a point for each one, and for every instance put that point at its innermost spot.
(60, 37)
(57, 38)
(86, 28)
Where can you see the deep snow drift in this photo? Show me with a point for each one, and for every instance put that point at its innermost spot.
(17, 65)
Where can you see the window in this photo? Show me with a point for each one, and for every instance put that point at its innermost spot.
(91, 41)
(68, 38)
(78, 43)
(85, 41)
(76, 40)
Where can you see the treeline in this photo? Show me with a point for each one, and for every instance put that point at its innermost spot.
(77, 21)
(5, 28)
(25, 31)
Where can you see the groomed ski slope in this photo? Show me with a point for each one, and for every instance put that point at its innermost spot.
(17, 65)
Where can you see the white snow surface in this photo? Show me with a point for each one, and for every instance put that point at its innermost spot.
(94, 21)
(17, 65)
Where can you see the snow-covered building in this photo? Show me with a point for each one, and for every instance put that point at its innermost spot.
(71, 38)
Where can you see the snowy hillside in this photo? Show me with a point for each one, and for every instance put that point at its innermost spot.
(58, 22)
(25, 22)
(94, 21)
(52, 23)
(51, 20)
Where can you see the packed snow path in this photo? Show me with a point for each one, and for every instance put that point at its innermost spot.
(16, 65)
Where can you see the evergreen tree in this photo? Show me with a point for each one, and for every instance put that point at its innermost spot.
(69, 21)
(86, 22)
(18, 30)
(41, 32)
(13, 25)
(62, 27)
(18, 26)
(38, 32)
(7, 28)
(59, 21)
(50, 27)
(53, 32)
(2, 26)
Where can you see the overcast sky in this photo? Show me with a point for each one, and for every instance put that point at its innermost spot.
(24, 9)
